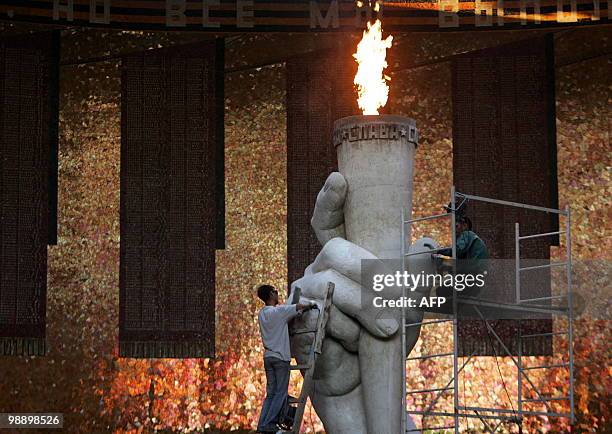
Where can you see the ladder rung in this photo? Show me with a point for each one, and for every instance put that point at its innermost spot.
(300, 367)
(557, 398)
(430, 356)
(422, 323)
(558, 365)
(301, 331)
(430, 428)
(545, 334)
(429, 390)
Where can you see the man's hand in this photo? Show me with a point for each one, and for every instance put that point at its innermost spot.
(306, 307)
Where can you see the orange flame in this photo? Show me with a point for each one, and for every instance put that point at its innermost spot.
(370, 79)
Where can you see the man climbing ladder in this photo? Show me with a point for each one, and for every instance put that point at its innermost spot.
(273, 319)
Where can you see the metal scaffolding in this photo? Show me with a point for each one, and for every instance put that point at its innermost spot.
(493, 418)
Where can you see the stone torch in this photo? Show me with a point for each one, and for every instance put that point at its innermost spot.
(376, 157)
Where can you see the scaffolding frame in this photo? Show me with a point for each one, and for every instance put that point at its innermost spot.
(498, 415)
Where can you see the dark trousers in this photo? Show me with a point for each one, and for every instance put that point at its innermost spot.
(277, 383)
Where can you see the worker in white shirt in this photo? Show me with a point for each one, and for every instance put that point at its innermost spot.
(273, 319)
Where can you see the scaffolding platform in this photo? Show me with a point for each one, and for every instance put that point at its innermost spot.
(493, 418)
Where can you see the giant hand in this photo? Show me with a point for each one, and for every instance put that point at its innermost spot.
(347, 373)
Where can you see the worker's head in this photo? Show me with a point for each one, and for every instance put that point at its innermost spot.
(268, 294)
(463, 223)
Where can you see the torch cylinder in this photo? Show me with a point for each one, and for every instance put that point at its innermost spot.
(376, 156)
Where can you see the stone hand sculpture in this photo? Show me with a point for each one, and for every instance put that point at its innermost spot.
(358, 375)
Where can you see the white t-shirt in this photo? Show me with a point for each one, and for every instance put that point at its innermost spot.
(274, 331)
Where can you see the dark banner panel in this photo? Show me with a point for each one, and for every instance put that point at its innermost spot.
(307, 15)
(28, 177)
(319, 91)
(504, 148)
(169, 206)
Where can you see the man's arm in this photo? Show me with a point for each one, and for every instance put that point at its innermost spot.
(463, 243)
(445, 252)
(288, 311)
(304, 307)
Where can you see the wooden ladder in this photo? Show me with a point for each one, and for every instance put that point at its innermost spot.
(309, 367)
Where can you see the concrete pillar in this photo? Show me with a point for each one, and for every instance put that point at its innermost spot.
(376, 156)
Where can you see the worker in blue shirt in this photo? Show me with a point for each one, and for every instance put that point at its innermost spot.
(472, 256)
(469, 245)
